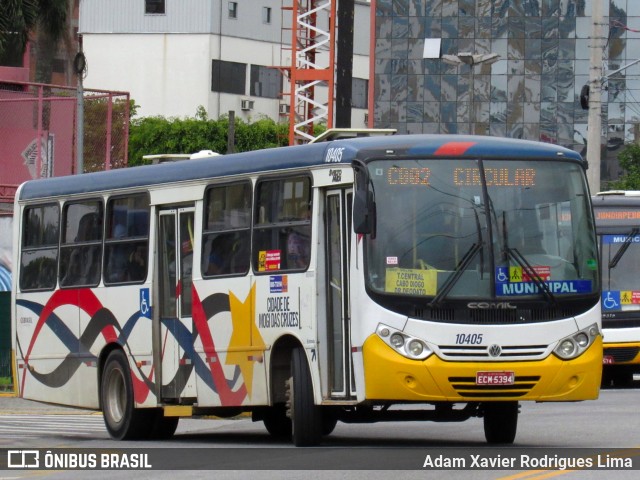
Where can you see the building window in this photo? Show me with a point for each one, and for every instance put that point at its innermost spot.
(59, 65)
(233, 9)
(265, 82)
(266, 14)
(154, 7)
(228, 77)
(359, 93)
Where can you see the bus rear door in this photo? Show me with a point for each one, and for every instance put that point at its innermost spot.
(173, 322)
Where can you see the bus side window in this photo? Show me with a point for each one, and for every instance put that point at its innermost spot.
(227, 230)
(80, 258)
(282, 240)
(127, 241)
(39, 256)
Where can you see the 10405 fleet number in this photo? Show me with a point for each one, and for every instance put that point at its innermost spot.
(468, 338)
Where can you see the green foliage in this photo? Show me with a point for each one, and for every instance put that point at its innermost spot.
(158, 135)
(629, 159)
(96, 113)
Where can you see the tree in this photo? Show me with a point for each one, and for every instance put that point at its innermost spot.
(157, 135)
(52, 29)
(629, 159)
(45, 20)
(17, 19)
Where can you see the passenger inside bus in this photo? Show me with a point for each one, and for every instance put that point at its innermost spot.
(82, 268)
(137, 264)
(219, 256)
(117, 255)
(298, 240)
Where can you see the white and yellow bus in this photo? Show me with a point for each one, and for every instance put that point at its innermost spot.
(357, 280)
(617, 215)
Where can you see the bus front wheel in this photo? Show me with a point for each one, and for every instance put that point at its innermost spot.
(122, 420)
(276, 422)
(500, 421)
(306, 417)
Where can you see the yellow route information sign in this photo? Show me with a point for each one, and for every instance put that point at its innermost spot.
(411, 281)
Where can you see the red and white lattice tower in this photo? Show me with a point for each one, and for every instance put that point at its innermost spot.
(312, 65)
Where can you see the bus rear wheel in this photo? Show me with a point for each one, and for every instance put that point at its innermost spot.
(306, 417)
(500, 421)
(122, 419)
(162, 428)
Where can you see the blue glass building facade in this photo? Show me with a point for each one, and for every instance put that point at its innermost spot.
(531, 92)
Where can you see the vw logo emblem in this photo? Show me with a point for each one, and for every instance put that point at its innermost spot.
(495, 350)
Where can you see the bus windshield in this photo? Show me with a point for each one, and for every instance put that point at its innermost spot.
(620, 265)
(470, 229)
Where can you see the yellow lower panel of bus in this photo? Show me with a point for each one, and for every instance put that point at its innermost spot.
(390, 376)
(627, 353)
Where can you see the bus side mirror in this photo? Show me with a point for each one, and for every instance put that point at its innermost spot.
(364, 212)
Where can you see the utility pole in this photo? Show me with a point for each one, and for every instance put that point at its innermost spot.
(80, 67)
(344, 63)
(594, 125)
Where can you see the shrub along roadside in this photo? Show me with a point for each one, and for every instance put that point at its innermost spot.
(158, 135)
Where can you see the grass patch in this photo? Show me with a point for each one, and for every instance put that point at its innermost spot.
(4, 381)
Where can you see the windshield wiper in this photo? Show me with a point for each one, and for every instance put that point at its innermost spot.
(480, 240)
(455, 276)
(514, 254)
(621, 251)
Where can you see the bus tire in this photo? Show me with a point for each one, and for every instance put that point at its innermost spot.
(306, 416)
(277, 423)
(163, 427)
(329, 423)
(122, 419)
(500, 422)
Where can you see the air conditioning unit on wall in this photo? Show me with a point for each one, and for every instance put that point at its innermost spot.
(246, 104)
(284, 109)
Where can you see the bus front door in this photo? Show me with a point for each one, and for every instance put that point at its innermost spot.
(174, 325)
(338, 218)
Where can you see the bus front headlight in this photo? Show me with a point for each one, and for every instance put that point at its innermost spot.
(415, 347)
(404, 344)
(574, 345)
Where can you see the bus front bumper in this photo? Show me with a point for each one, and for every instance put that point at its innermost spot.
(621, 353)
(390, 376)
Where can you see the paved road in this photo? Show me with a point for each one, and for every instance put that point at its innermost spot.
(609, 423)
(11, 405)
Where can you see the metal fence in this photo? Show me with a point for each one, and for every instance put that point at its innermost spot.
(39, 132)
(39, 137)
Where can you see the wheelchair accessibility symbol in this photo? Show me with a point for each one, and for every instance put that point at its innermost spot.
(502, 274)
(611, 300)
(145, 303)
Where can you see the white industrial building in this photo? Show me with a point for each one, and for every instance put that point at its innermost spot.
(218, 54)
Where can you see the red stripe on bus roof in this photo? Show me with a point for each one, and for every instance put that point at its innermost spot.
(454, 148)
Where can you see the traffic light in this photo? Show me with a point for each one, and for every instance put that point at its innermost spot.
(584, 97)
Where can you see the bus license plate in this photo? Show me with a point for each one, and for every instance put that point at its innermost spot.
(495, 378)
